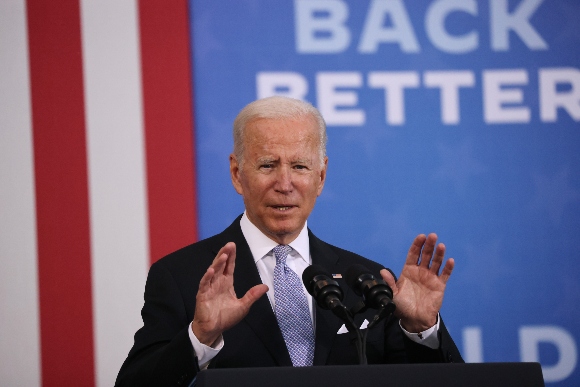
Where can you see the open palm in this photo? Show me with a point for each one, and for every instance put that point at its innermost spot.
(419, 291)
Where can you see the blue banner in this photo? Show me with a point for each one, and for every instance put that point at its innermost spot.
(459, 117)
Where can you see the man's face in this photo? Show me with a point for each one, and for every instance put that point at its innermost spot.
(281, 175)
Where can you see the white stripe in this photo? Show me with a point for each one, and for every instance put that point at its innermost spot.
(19, 317)
(117, 178)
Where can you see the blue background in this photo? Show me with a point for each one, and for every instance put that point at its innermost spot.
(504, 198)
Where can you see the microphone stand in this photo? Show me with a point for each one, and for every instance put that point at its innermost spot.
(345, 315)
(385, 310)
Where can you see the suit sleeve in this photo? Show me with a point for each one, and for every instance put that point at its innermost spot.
(162, 353)
(400, 349)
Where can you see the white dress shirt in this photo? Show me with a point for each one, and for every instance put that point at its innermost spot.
(261, 247)
(298, 259)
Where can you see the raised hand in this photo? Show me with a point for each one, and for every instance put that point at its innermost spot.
(419, 291)
(217, 307)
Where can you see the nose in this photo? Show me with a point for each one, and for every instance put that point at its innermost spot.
(284, 180)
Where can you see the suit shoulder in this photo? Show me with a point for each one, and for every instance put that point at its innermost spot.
(349, 258)
(201, 252)
(199, 255)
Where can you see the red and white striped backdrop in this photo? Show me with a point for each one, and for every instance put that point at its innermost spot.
(97, 178)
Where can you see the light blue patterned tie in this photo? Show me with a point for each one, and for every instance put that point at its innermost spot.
(292, 311)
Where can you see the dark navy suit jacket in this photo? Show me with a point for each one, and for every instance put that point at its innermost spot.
(162, 354)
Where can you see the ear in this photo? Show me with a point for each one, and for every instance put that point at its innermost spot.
(235, 174)
(322, 176)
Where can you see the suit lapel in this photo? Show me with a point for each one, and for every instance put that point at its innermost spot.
(327, 324)
(261, 318)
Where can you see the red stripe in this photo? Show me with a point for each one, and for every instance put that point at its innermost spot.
(64, 266)
(167, 104)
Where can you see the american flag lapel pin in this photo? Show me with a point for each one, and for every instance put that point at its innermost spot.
(335, 276)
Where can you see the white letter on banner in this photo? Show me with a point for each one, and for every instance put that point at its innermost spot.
(494, 96)
(401, 31)
(287, 84)
(323, 34)
(530, 337)
(472, 348)
(551, 99)
(329, 99)
(394, 82)
(435, 26)
(449, 83)
(501, 22)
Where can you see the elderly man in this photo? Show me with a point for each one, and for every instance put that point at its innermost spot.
(204, 304)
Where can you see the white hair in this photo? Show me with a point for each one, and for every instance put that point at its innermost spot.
(277, 107)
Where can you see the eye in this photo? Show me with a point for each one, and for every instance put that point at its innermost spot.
(300, 167)
(267, 166)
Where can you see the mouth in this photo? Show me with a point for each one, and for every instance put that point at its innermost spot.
(283, 208)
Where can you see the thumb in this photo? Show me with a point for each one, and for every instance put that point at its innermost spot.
(389, 279)
(253, 295)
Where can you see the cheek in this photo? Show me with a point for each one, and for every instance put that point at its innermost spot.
(255, 190)
(310, 191)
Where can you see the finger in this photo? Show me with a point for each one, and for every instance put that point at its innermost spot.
(227, 249)
(415, 250)
(205, 283)
(389, 279)
(438, 258)
(231, 262)
(447, 269)
(428, 248)
(219, 261)
(219, 264)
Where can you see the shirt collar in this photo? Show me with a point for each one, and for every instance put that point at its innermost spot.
(261, 245)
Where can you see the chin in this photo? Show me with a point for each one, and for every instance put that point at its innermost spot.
(284, 228)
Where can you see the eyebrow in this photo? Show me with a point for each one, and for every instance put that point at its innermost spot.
(267, 160)
(263, 160)
(302, 161)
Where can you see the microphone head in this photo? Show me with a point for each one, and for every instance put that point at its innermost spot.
(321, 286)
(310, 273)
(354, 277)
(374, 291)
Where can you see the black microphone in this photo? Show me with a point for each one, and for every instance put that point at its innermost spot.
(328, 295)
(322, 287)
(375, 292)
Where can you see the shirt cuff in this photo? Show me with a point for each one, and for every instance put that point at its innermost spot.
(204, 353)
(428, 338)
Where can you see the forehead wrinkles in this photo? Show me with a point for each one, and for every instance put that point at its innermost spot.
(272, 139)
(296, 152)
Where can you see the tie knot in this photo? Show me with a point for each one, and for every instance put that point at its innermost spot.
(281, 252)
